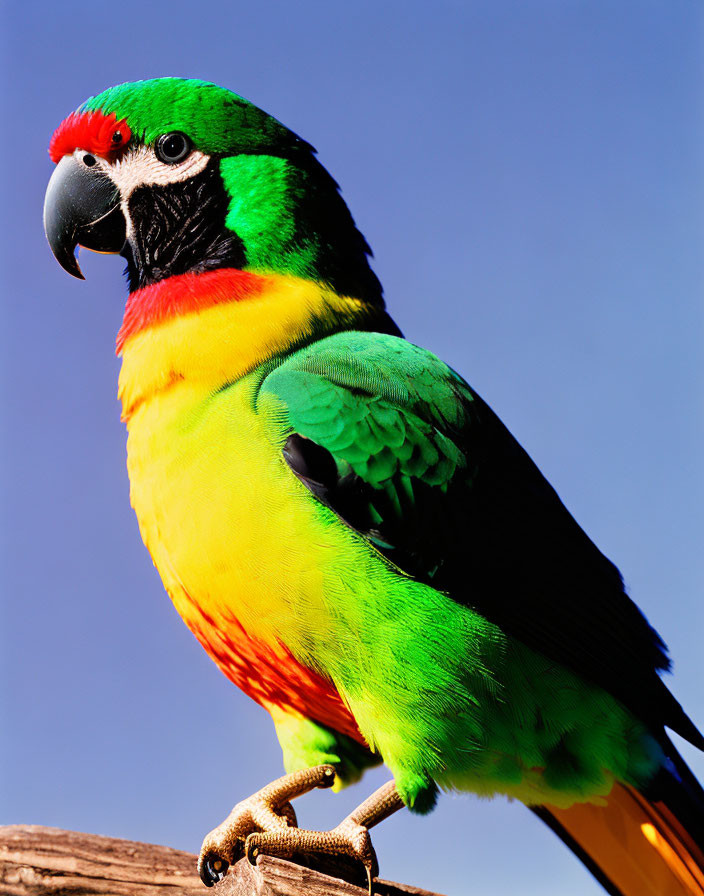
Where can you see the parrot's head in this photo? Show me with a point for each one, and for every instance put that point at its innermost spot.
(182, 176)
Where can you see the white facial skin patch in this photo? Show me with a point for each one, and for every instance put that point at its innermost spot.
(139, 167)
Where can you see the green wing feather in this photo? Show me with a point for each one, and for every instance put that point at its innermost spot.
(397, 452)
(424, 471)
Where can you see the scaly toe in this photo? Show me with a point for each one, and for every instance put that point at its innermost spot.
(269, 810)
(348, 840)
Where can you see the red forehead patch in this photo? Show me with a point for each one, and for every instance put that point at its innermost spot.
(101, 134)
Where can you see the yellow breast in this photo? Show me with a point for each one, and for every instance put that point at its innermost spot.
(211, 492)
(218, 508)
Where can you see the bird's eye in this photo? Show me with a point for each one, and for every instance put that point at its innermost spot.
(172, 148)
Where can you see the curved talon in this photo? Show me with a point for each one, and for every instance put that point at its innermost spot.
(251, 848)
(370, 880)
(216, 856)
(212, 868)
(328, 776)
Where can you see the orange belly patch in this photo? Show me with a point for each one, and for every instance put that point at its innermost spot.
(271, 676)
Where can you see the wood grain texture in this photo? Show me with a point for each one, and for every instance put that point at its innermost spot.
(42, 861)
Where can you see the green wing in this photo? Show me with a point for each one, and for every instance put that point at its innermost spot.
(401, 448)
(390, 452)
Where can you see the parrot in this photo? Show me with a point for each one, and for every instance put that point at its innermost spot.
(351, 533)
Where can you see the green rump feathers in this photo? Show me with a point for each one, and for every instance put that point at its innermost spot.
(283, 204)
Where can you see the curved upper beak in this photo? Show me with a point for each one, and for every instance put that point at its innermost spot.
(82, 208)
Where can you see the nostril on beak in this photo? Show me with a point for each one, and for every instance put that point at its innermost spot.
(82, 207)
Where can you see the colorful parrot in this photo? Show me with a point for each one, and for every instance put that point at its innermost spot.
(350, 532)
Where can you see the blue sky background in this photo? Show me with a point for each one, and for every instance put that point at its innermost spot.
(531, 178)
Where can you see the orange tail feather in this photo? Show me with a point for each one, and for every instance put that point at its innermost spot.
(636, 846)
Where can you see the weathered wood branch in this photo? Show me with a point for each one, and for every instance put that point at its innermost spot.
(39, 861)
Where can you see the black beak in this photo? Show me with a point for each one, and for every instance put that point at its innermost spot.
(82, 208)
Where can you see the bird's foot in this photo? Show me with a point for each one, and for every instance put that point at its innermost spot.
(265, 824)
(347, 839)
(266, 813)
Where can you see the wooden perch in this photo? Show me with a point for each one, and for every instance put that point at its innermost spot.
(39, 861)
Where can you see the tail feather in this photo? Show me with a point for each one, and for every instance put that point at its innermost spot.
(648, 843)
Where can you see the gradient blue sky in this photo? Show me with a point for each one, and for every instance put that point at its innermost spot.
(531, 178)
